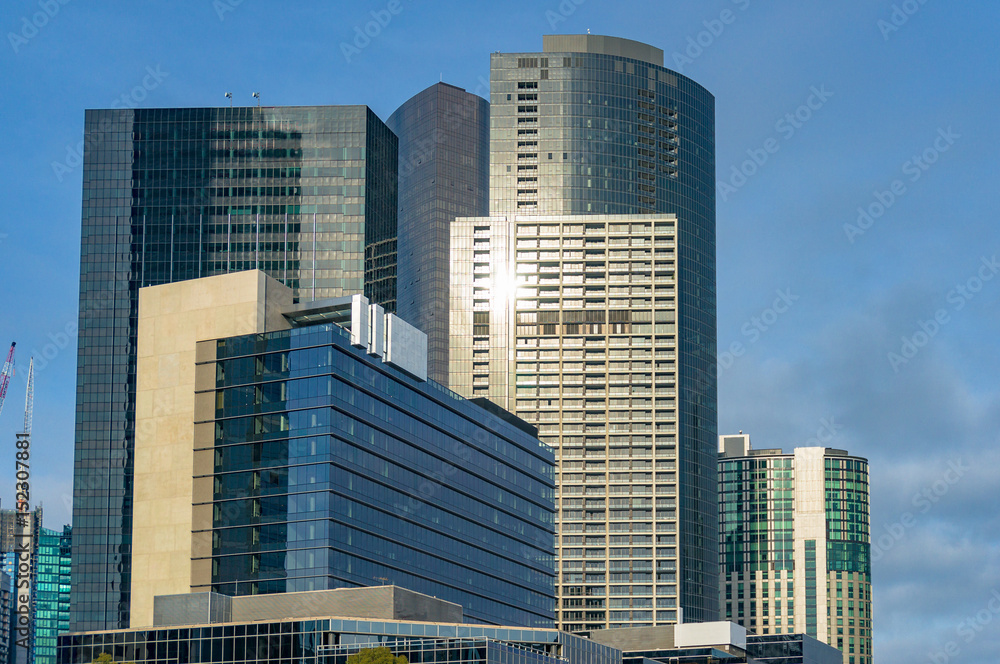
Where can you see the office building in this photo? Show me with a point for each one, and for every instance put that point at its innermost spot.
(794, 545)
(22, 637)
(306, 194)
(326, 627)
(52, 594)
(311, 455)
(713, 643)
(586, 305)
(791, 649)
(9, 529)
(444, 165)
(691, 643)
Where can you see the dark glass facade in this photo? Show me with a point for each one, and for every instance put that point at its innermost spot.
(306, 194)
(52, 597)
(444, 170)
(331, 641)
(596, 125)
(333, 469)
(791, 649)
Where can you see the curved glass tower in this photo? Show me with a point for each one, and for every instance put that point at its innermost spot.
(444, 143)
(598, 259)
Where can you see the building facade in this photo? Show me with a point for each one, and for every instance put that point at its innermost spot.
(314, 456)
(314, 628)
(444, 164)
(791, 649)
(52, 598)
(795, 546)
(306, 194)
(22, 636)
(594, 277)
(7, 609)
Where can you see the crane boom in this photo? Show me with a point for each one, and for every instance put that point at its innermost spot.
(29, 398)
(8, 371)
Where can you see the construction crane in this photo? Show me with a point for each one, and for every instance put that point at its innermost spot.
(29, 397)
(23, 469)
(8, 371)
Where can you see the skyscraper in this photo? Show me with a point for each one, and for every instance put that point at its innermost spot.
(795, 548)
(594, 276)
(306, 194)
(444, 135)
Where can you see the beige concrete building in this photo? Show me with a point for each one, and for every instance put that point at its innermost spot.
(173, 318)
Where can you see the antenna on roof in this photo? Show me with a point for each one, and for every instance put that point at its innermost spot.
(256, 95)
(229, 96)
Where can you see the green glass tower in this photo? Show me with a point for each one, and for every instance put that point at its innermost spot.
(52, 595)
(795, 550)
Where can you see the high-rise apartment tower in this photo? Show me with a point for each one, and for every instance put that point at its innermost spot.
(586, 304)
(795, 548)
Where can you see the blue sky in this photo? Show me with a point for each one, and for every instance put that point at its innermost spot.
(903, 124)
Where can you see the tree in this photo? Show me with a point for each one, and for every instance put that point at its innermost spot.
(105, 658)
(376, 656)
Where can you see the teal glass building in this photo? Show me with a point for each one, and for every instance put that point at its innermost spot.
(306, 194)
(795, 545)
(52, 595)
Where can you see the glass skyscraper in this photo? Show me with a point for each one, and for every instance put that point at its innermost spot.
(52, 597)
(795, 545)
(333, 469)
(586, 304)
(307, 194)
(444, 147)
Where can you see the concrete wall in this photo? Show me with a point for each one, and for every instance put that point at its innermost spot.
(374, 603)
(172, 319)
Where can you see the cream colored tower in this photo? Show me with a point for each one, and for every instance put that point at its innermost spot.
(570, 322)
(173, 318)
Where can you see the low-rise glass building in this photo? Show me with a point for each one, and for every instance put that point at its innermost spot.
(330, 640)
